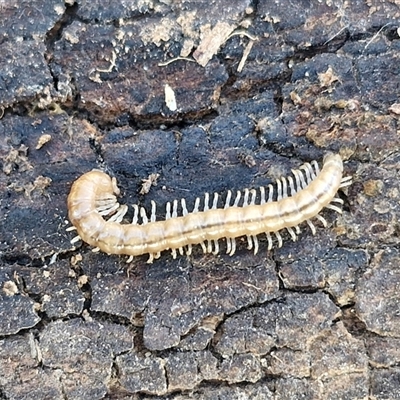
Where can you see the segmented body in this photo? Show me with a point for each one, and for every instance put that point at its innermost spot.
(298, 199)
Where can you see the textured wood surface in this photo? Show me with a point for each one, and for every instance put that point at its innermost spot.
(257, 89)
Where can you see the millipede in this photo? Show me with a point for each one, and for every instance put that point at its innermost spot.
(96, 215)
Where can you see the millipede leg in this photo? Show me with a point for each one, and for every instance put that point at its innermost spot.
(181, 251)
(337, 200)
(316, 168)
(346, 181)
(189, 249)
(255, 241)
(107, 201)
(262, 194)
(312, 227)
(151, 258)
(302, 179)
(322, 219)
(253, 193)
(215, 201)
(237, 199)
(279, 189)
(168, 211)
(300, 182)
(269, 238)
(228, 199)
(129, 259)
(173, 252)
(196, 205)
(203, 246)
(246, 198)
(249, 242)
(297, 179)
(284, 187)
(279, 237)
(108, 211)
(104, 205)
(115, 186)
(143, 214)
(292, 233)
(206, 200)
(291, 185)
(334, 208)
(184, 208)
(119, 215)
(216, 247)
(232, 252)
(175, 209)
(153, 211)
(308, 171)
(270, 193)
(75, 239)
(135, 214)
(228, 245)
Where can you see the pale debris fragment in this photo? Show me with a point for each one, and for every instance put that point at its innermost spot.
(35, 348)
(10, 288)
(82, 280)
(395, 108)
(59, 9)
(76, 259)
(39, 185)
(170, 99)
(187, 47)
(17, 158)
(327, 78)
(175, 59)
(212, 41)
(296, 99)
(245, 55)
(112, 62)
(43, 140)
(148, 182)
(53, 259)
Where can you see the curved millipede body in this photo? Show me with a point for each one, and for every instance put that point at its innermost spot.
(298, 198)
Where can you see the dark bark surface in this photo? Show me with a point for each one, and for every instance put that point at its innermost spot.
(210, 96)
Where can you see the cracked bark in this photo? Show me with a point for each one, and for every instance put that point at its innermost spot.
(83, 86)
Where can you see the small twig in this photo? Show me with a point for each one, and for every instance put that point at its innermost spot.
(246, 53)
(165, 63)
(244, 33)
(377, 33)
(336, 34)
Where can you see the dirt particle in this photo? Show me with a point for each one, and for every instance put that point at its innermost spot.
(373, 187)
(10, 288)
(42, 141)
(148, 183)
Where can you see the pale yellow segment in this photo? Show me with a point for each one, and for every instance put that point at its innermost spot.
(173, 233)
(193, 230)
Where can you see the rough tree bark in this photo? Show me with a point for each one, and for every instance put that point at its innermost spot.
(211, 96)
